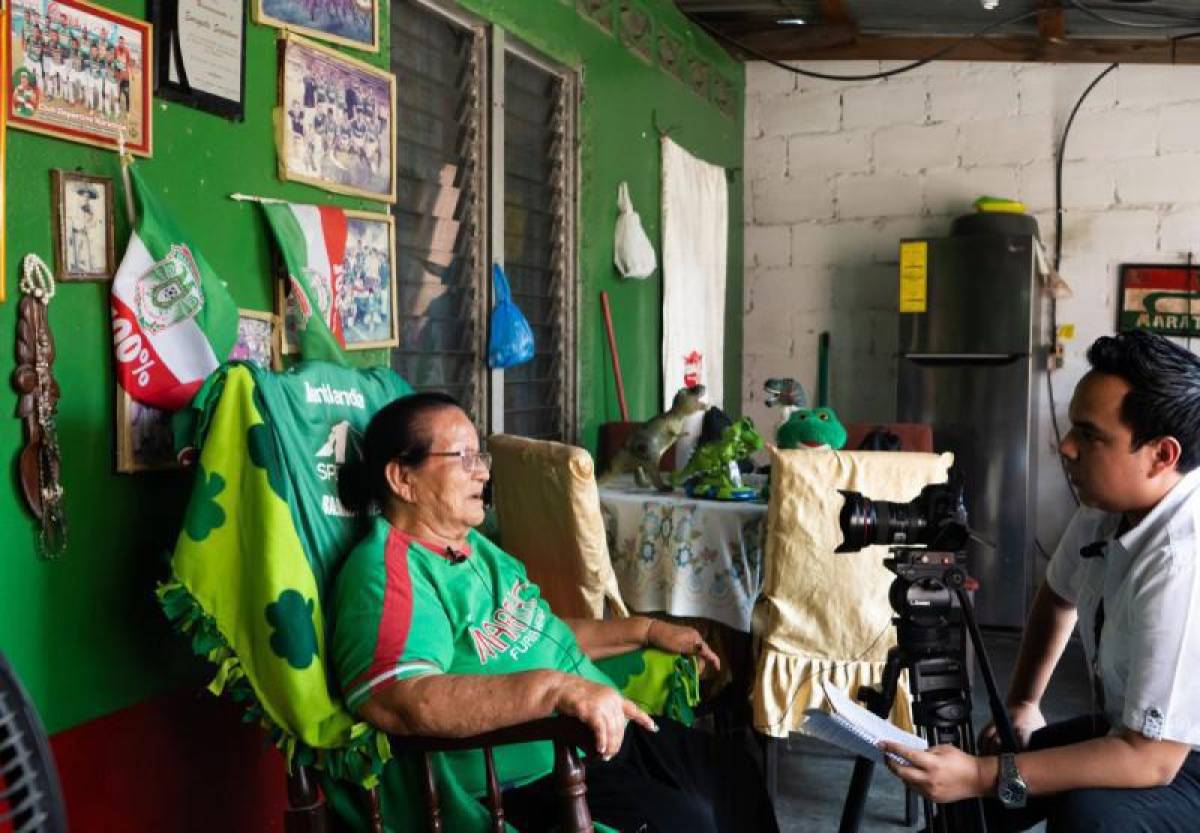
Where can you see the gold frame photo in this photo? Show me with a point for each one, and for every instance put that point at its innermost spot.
(367, 278)
(3, 152)
(144, 438)
(76, 230)
(335, 116)
(249, 339)
(288, 15)
(45, 99)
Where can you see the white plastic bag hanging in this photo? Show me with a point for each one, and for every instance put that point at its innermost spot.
(632, 252)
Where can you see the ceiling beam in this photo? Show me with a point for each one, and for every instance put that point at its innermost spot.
(810, 43)
(835, 11)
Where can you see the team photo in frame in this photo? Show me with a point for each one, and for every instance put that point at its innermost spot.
(258, 340)
(82, 226)
(346, 22)
(365, 297)
(145, 441)
(80, 72)
(336, 121)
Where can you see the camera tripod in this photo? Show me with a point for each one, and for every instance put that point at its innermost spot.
(931, 646)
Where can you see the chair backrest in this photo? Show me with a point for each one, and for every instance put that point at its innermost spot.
(549, 512)
(914, 436)
(821, 615)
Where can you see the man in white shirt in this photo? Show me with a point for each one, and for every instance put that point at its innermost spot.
(1126, 570)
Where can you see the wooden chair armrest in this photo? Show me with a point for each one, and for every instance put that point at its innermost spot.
(565, 730)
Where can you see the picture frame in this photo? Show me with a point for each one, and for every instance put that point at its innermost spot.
(145, 441)
(367, 295)
(82, 226)
(336, 121)
(352, 23)
(48, 94)
(200, 50)
(258, 339)
(1161, 298)
(3, 153)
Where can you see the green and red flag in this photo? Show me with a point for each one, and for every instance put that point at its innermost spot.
(312, 239)
(173, 319)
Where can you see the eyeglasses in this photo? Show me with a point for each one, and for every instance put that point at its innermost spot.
(471, 460)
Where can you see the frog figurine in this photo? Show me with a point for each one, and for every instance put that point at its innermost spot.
(712, 471)
(811, 428)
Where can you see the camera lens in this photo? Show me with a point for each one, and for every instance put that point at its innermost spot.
(867, 522)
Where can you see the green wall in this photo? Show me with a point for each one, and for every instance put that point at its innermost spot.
(85, 632)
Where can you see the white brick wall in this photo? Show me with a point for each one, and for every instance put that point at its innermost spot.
(838, 172)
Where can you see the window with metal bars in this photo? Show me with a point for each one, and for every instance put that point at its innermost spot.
(454, 164)
(441, 138)
(538, 202)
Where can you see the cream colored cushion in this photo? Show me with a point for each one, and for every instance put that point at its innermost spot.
(825, 615)
(549, 513)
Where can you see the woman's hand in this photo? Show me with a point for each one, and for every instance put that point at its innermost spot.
(680, 639)
(1026, 719)
(603, 709)
(941, 774)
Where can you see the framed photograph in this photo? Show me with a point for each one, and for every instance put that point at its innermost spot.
(3, 149)
(346, 22)
(82, 226)
(257, 339)
(365, 297)
(1160, 297)
(336, 121)
(144, 438)
(200, 47)
(80, 72)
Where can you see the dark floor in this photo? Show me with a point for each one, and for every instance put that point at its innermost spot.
(814, 777)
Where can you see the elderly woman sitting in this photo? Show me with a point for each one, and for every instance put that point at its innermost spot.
(436, 631)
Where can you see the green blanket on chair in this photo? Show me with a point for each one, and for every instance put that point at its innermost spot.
(262, 537)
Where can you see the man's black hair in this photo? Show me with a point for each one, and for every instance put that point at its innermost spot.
(1164, 388)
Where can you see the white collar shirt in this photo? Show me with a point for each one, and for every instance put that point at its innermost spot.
(1149, 580)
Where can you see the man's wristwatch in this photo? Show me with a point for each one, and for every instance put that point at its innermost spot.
(1011, 788)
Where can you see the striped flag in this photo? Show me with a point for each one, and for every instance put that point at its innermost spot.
(173, 320)
(313, 241)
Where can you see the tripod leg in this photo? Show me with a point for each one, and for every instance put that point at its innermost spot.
(856, 798)
(910, 808)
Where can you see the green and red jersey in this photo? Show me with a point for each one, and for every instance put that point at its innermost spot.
(404, 609)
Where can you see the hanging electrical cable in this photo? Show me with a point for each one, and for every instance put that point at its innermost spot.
(1095, 13)
(874, 76)
(1058, 236)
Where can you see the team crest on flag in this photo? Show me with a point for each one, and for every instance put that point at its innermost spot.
(173, 319)
(170, 292)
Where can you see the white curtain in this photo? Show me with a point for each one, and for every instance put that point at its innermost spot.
(695, 208)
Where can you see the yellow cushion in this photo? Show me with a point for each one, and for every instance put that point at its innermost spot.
(825, 615)
(549, 512)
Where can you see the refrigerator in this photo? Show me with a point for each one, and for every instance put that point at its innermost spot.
(969, 365)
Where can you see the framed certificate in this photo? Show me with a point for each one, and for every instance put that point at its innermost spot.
(201, 51)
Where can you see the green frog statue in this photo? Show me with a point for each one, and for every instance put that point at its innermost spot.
(712, 471)
(811, 428)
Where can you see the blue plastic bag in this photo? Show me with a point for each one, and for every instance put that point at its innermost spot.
(511, 339)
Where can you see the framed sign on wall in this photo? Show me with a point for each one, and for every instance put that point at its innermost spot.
(200, 47)
(1162, 298)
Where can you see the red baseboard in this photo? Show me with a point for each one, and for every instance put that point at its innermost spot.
(179, 763)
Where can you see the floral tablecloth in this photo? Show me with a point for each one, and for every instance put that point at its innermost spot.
(682, 556)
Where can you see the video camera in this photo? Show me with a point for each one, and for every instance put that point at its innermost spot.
(936, 518)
